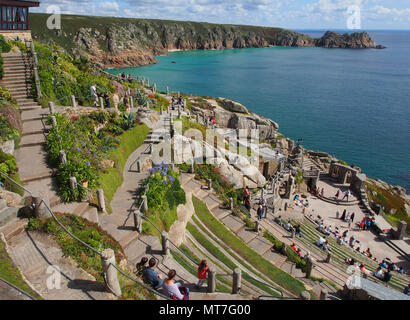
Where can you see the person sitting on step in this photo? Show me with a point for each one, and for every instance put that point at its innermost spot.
(175, 289)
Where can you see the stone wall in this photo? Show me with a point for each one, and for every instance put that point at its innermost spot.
(342, 174)
(12, 35)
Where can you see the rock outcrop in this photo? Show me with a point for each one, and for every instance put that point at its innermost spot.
(353, 41)
(118, 42)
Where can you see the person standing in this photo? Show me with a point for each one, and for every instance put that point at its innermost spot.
(352, 217)
(248, 204)
(322, 193)
(349, 223)
(202, 271)
(116, 101)
(94, 95)
(337, 214)
(343, 217)
(260, 212)
(246, 193)
(337, 194)
(107, 100)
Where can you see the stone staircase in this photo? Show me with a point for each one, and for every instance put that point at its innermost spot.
(31, 156)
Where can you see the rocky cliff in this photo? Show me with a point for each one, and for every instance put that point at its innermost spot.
(116, 42)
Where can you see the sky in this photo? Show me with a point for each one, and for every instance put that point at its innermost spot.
(292, 14)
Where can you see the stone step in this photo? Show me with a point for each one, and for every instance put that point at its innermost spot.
(32, 140)
(7, 215)
(91, 215)
(10, 81)
(41, 176)
(29, 108)
(33, 127)
(80, 209)
(3, 204)
(13, 229)
(20, 86)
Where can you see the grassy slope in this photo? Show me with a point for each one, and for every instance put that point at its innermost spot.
(130, 141)
(9, 272)
(277, 275)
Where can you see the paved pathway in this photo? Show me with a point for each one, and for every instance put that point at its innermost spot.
(41, 260)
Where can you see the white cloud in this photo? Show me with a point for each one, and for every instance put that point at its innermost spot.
(109, 6)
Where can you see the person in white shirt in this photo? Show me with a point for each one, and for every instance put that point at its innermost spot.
(174, 288)
(94, 95)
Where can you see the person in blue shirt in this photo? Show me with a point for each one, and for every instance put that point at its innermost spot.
(152, 277)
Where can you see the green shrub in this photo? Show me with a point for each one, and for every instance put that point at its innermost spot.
(4, 45)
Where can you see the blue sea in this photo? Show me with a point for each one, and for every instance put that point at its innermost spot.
(353, 104)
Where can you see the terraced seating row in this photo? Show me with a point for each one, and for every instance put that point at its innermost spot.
(341, 252)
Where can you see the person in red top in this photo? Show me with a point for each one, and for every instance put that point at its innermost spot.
(293, 246)
(246, 193)
(202, 270)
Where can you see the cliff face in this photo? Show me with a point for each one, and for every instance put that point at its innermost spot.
(116, 42)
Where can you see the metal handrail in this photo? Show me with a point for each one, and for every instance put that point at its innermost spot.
(140, 283)
(19, 185)
(278, 298)
(334, 297)
(85, 188)
(18, 289)
(85, 244)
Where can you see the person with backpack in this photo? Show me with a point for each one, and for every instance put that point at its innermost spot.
(202, 271)
(260, 212)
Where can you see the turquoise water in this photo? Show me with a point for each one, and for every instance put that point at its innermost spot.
(353, 104)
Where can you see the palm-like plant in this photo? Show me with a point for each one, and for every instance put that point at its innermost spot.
(142, 99)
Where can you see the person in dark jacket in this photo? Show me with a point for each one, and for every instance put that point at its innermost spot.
(152, 277)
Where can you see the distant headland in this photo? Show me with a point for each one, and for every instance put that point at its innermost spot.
(120, 42)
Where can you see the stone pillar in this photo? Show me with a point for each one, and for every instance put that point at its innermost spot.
(138, 221)
(51, 107)
(145, 205)
(101, 103)
(323, 294)
(328, 258)
(147, 82)
(172, 166)
(309, 267)
(236, 281)
(167, 109)
(231, 204)
(165, 247)
(257, 222)
(101, 200)
(185, 104)
(211, 281)
(161, 111)
(110, 272)
(131, 102)
(197, 118)
(304, 295)
(40, 210)
(154, 88)
(73, 102)
(54, 122)
(209, 184)
(73, 183)
(167, 91)
(192, 169)
(401, 230)
(179, 112)
(63, 157)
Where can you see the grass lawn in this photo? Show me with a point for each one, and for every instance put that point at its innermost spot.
(275, 274)
(10, 273)
(220, 256)
(112, 179)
